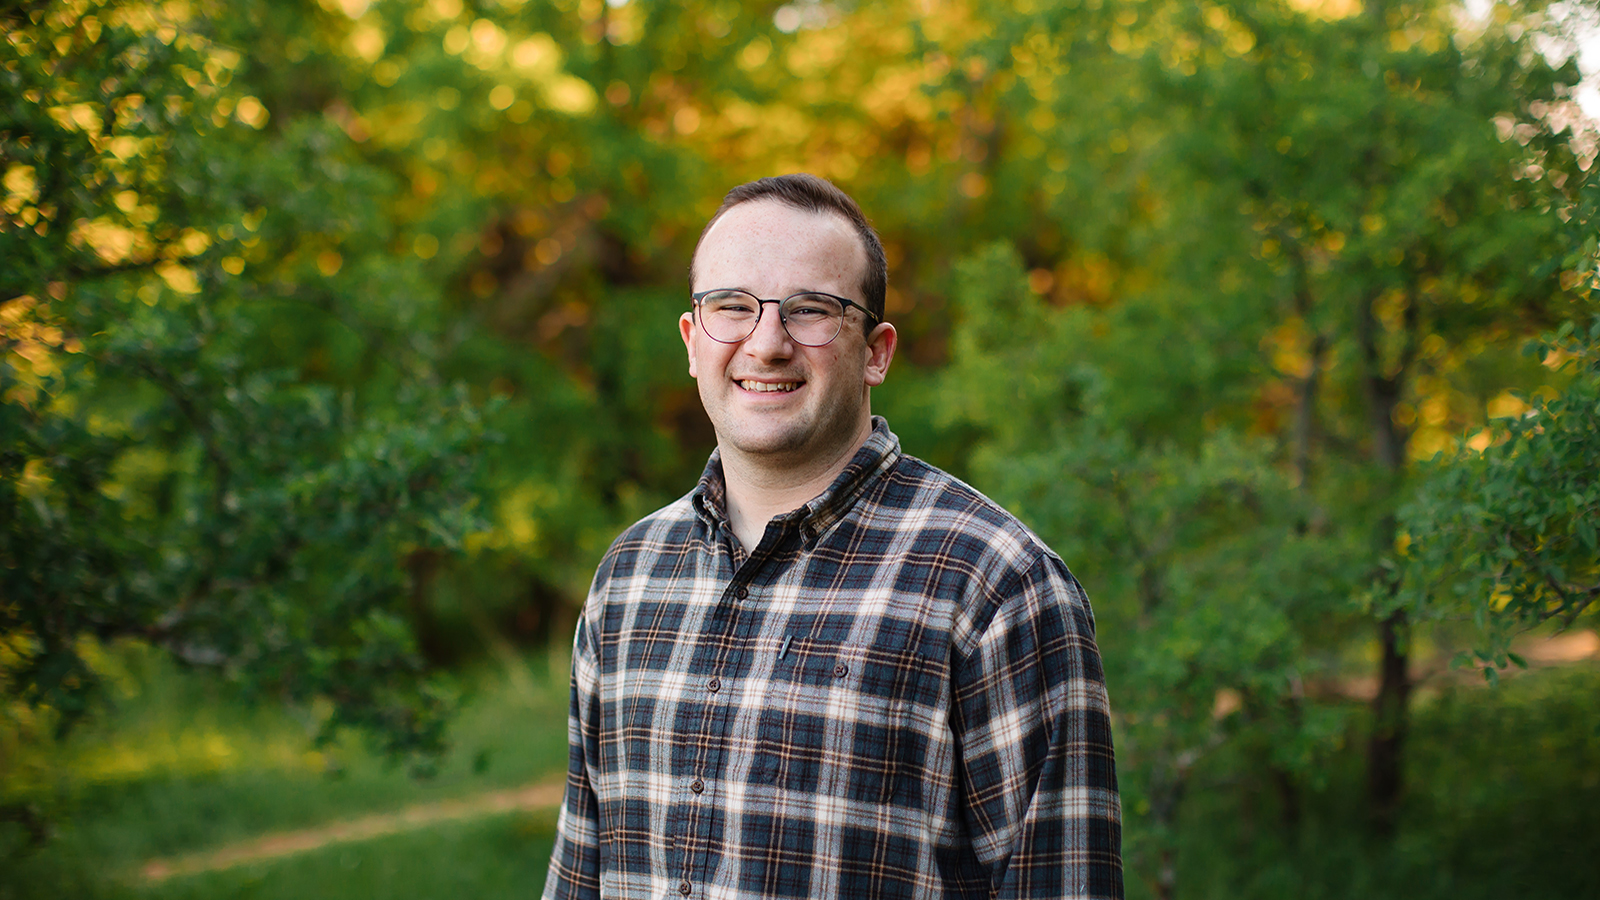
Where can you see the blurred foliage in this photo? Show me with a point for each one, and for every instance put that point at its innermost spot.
(235, 466)
(1333, 254)
(1508, 534)
(1491, 812)
(337, 335)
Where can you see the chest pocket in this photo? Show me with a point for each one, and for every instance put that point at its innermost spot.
(842, 720)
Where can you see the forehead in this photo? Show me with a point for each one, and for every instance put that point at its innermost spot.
(770, 247)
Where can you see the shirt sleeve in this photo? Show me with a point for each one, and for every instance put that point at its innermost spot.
(1034, 728)
(575, 862)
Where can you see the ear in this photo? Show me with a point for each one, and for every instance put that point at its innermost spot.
(686, 331)
(881, 343)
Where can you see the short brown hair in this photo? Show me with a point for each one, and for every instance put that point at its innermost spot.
(816, 195)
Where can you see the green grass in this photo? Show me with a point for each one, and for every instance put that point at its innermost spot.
(495, 856)
(179, 766)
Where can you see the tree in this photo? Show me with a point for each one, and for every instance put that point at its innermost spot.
(1337, 231)
(218, 435)
(1500, 529)
(1504, 533)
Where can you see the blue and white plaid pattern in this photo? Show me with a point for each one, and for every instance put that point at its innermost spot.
(896, 694)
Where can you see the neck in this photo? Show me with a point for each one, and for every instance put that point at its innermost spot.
(759, 488)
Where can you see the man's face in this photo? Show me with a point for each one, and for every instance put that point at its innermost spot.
(768, 397)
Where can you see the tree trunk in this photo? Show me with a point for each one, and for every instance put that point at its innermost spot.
(1389, 716)
(1305, 407)
(1385, 749)
(1166, 800)
(1289, 809)
(422, 566)
(1167, 874)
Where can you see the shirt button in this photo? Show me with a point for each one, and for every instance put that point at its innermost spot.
(741, 592)
(697, 786)
(684, 889)
(841, 670)
(714, 685)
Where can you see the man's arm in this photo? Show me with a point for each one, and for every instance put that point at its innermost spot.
(575, 862)
(1035, 732)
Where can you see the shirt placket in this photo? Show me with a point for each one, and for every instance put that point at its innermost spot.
(720, 661)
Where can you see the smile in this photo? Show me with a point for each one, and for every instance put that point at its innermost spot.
(772, 387)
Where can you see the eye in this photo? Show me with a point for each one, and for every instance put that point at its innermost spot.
(812, 306)
(729, 303)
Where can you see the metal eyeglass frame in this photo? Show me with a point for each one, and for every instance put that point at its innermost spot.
(761, 305)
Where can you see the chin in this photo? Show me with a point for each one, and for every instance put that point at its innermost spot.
(767, 442)
(789, 441)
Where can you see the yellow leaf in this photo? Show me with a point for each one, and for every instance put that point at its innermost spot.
(537, 55)
(179, 278)
(570, 94)
(21, 185)
(251, 112)
(110, 241)
(366, 42)
(1506, 405)
(193, 243)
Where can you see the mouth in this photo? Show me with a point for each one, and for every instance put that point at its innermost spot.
(769, 387)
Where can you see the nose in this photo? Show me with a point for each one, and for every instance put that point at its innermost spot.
(770, 340)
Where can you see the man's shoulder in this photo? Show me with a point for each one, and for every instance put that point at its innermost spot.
(926, 498)
(664, 532)
(988, 558)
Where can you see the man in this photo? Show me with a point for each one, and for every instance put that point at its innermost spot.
(830, 670)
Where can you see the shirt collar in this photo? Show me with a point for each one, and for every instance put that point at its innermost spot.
(880, 451)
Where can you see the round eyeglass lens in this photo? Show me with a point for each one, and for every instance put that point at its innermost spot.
(729, 316)
(812, 319)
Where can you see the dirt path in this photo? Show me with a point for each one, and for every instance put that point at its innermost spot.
(543, 795)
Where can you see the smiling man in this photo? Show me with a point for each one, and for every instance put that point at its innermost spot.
(830, 670)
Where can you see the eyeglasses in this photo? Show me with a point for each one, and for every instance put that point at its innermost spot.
(811, 318)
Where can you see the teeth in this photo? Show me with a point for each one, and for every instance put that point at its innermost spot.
(763, 387)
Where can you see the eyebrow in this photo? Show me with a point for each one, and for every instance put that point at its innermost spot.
(758, 296)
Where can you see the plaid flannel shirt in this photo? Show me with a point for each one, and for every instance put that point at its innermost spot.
(896, 694)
